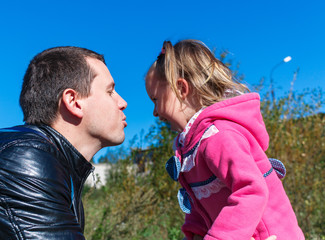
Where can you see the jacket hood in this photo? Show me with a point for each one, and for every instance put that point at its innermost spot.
(243, 110)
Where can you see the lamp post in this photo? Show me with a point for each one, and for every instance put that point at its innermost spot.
(285, 60)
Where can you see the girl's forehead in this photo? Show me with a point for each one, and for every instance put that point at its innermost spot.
(155, 86)
(156, 82)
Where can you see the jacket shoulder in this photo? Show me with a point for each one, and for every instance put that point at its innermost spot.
(29, 154)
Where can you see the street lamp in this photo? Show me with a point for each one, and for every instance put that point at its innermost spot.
(285, 60)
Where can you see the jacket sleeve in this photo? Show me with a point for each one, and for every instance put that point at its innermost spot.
(229, 158)
(194, 224)
(36, 194)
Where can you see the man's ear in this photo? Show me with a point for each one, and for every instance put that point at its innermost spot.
(183, 87)
(72, 102)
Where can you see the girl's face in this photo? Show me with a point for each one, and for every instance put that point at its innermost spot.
(167, 105)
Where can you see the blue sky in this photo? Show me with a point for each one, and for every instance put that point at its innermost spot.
(258, 35)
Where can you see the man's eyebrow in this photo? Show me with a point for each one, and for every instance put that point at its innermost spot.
(111, 86)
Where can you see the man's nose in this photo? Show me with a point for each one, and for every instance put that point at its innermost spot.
(122, 104)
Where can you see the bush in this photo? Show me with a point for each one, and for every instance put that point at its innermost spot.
(297, 137)
(133, 205)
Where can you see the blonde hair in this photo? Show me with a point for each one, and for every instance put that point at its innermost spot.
(210, 80)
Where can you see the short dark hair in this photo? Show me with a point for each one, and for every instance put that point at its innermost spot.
(48, 75)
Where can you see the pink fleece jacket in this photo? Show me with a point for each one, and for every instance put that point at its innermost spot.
(222, 165)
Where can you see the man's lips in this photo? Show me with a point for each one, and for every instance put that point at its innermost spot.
(124, 121)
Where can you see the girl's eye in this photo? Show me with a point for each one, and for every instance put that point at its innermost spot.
(111, 92)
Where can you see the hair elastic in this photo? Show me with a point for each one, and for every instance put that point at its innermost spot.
(163, 50)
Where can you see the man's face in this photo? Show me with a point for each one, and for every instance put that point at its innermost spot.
(103, 118)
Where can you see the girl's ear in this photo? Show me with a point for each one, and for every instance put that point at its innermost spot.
(183, 87)
(72, 102)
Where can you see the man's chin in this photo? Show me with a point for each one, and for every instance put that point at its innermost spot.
(114, 142)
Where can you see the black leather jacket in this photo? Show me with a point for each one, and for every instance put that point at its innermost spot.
(41, 179)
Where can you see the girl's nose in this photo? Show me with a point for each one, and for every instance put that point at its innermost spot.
(155, 113)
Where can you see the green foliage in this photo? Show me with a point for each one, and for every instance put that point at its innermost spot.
(297, 137)
(138, 201)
